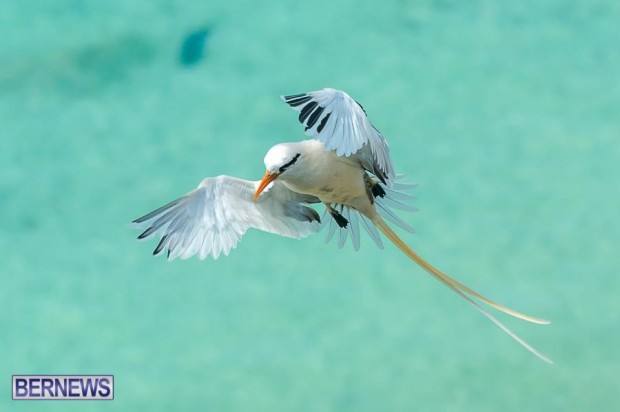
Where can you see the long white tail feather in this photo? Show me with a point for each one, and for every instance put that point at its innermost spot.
(463, 290)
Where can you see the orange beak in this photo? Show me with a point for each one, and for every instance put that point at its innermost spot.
(268, 178)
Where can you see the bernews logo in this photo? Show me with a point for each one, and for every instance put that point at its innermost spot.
(63, 387)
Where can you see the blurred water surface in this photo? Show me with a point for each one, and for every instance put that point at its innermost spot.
(506, 114)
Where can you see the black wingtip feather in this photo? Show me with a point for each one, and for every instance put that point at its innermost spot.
(315, 116)
(315, 215)
(157, 211)
(361, 107)
(293, 96)
(160, 245)
(297, 102)
(323, 122)
(305, 112)
(146, 233)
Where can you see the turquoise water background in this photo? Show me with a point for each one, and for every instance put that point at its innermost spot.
(505, 113)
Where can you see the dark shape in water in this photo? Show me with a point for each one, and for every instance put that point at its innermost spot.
(193, 47)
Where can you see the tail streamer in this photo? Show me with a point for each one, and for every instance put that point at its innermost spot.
(463, 290)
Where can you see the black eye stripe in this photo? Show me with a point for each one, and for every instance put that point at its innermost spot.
(289, 164)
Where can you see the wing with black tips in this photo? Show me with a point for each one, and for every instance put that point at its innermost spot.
(212, 219)
(334, 118)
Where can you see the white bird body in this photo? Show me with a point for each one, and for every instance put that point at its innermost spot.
(346, 166)
(331, 178)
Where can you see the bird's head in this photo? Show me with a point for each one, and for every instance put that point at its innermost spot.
(280, 160)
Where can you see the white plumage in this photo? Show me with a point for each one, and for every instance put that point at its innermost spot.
(212, 219)
(346, 167)
(334, 118)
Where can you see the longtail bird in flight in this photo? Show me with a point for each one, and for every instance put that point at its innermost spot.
(346, 166)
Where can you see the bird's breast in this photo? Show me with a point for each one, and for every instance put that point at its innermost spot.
(331, 178)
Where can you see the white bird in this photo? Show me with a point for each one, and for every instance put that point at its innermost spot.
(346, 166)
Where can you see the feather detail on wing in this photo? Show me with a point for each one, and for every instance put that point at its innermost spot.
(212, 219)
(334, 118)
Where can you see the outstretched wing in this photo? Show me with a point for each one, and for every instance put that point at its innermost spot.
(340, 122)
(211, 219)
